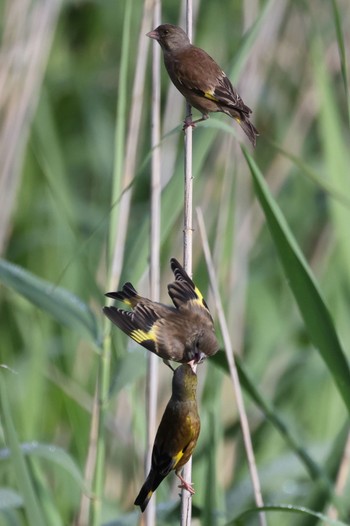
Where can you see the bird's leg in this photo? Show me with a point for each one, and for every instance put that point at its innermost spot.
(189, 122)
(185, 485)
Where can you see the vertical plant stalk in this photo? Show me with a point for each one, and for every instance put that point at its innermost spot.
(341, 480)
(137, 104)
(153, 360)
(27, 31)
(31, 502)
(85, 501)
(188, 194)
(232, 368)
(186, 497)
(118, 229)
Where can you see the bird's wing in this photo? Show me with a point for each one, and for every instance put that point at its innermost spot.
(198, 72)
(225, 94)
(183, 292)
(127, 295)
(176, 434)
(162, 461)
(138, 324)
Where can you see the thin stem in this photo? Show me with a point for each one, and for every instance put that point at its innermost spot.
(188, 200)
(137, 103)
(342, 477)
(186, 498)
(153, 360)
(118, 226)
(26, 31)
(232, 368)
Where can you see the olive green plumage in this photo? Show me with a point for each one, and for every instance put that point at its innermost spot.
(177, 434)
(182, 333)
(200, 80)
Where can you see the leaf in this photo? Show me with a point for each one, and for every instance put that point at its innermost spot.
(335, 152)
(52, 453)
(64, 306)
(286, 509)
(312, 307)
(271, 413)
(25, 484)
(341, 48)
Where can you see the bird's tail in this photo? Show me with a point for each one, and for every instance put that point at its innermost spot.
(248, 128)
(152, 482)
(183, 290)
(127, 295)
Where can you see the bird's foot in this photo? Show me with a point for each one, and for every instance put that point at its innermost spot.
(188, 122)
(185, 485)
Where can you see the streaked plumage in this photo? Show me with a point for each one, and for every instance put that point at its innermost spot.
(182, 333)
(177, 434)
(200, 80)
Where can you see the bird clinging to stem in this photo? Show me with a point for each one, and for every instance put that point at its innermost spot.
(182, 333)
(200, 80)
(176, 437)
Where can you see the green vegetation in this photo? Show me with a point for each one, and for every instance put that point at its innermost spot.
(278, 224)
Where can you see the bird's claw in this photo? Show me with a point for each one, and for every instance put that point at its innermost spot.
(188, 486)
(188, 122)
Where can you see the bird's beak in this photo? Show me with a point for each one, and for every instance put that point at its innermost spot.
(193, 366)
(152, 34)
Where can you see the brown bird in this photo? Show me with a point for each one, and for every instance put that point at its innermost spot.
(200, 80)
(176, 437)
(182, 333)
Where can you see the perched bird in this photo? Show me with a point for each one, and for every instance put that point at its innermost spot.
(200, 80)
(177, 435)
(183, 332)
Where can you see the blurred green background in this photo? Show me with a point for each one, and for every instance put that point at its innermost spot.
(66, 83)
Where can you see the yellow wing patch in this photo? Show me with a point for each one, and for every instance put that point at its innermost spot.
(149, 495)
(209, 95)
(141, 336)
(199, 294)
(199, 300)
(177, 458)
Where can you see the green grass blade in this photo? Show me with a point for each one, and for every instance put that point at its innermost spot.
(25, 485)
(308, 172)
(298, 510)
(335, 151)
(312, 307)
(272, 415)
(248, 40)
(64, 306)
(53, 454)
(319, 498)
(342, 53)
(120, 123)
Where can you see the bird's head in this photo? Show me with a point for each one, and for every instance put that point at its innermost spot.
(170, 37)
(184, 383)
(203, 345)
